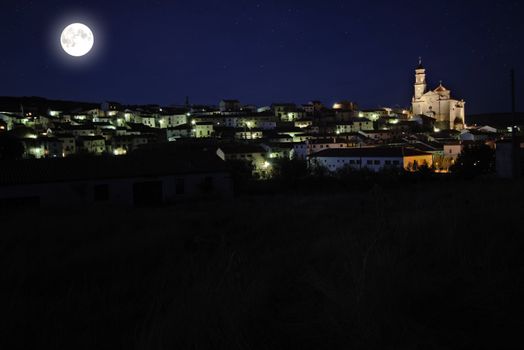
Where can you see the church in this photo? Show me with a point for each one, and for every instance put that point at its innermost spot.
(448, 112)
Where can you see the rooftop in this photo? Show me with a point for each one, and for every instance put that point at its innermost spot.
(388, 152)
(32, 171)
(241, 148)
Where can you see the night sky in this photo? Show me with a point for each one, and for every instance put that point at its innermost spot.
(264, 51)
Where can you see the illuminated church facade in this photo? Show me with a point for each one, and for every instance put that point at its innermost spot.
(449, 113)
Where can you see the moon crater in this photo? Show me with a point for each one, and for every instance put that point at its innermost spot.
(77, 39)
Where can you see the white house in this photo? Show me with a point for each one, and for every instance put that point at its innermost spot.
(170, 121)
(92, 144)
(69, 144)
(202, 129)
(229, 106)
(249, 134)
(254, 154)
(476, 135)
(453, 149)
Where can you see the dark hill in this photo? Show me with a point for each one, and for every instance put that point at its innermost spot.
(41, 105)
(498, 120)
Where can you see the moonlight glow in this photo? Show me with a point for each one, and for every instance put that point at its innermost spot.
(77, 39)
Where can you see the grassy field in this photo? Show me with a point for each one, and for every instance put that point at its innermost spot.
(422, 266)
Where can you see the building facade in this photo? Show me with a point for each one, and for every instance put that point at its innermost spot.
(372, 158)
(449, 113)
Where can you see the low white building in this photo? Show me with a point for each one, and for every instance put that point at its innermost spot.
(372, 158)
(139, 180)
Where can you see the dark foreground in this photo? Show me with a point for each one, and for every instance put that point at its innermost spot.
(424, 267)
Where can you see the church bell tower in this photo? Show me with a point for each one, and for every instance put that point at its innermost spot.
(420, 80)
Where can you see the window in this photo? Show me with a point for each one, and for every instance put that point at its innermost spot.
(358, 161)
(369, 162)
(396, 162)
(377, 162)
(207, 185)
(180, 186)
(149, 193)
(388, 162)
(101, 193)
(352, 161)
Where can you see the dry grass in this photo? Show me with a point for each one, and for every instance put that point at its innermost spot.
(423, 266)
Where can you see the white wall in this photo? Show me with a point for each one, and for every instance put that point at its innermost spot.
(81, 193)
(336, 163)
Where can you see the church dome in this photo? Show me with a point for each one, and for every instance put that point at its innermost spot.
(440, 88)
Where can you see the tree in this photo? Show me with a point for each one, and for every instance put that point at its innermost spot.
(474, 161)
(317, 169)
(289, 170)
(241, 172)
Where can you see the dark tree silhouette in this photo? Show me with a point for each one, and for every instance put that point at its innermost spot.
(474, 161)
(289, 170)
(10, 148)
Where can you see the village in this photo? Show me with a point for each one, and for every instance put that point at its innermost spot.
(431, 134)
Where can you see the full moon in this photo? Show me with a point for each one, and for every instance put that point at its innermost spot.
(77, 39)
